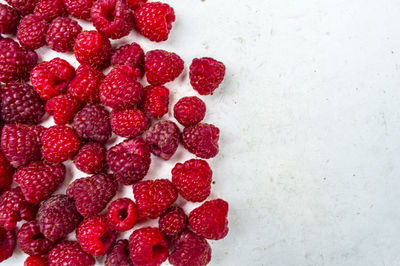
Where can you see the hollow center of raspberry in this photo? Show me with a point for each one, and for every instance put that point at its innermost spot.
(122, 214)
(108, 13)
(158, 251)
(38, 236)
(154, 147)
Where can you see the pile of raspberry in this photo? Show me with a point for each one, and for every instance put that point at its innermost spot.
(88, 107)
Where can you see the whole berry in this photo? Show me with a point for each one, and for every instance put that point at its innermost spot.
(32, 32)
(63, 108)
(79, 9)
(154, 21)
(62, 33)
(163, 139)
(92, 48)
(162, 66)
(69, 253)
(119, 254)
(9, 19)
(173, 221)
(206, 74)
(36, 261)
(32, 241)
(201, 140)
(129, 54)
(50, 9)
(129, 122)
(189, 111)
(155, 101)
(129, 160)
(8, 242)
(91, 158)
(210, 219)
(6, 172)
(134, 4)
(122, 214)
(24, 7)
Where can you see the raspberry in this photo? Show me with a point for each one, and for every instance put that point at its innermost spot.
(173, 221)
(155, 101)
(201, 140)
(193, 179)
(6, 172)
(92, 194)
(206, 74)
(119, 254)
(153, 197)
(24, 7)
(134, 4)
(120, 89)
(32, 241)
(57, 217)
(91, 124)
(190, 249)
(162, 67)
(63, 108)
(91, 158)
(122, 214)
(79, 9)
(148, 246)
(210, 219)
(163, 139)
(8, 243)
(154, 21)
(92, 48)
(36, 261)
(112, 18)
(129, 160)
(69, 253)
(32, 32)
(189, 111)
(129, 122)
(50, 9)
(21, 104)
(9, 19)
(129, 54)
(62, 33)
(95, 236)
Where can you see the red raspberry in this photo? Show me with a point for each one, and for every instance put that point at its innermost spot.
(63, 108)
(148, 246)
(91, 124)
(92, 194)
(21, 104)
(91, 158)
(69, 253)
(79, 9)
(155, 101)
(190, 249)
(9, 19)
(24, 7)
(153, 197)
(129, 54)
(201, 140)
(163, 139)
(8, 242)
(6, 172)
(189, 111)
(210, 219)
(122, 214)
(129, 160)
(36, 261)
(162, 67)
(173, 221)
(50, 9)
(154, 21)
(206, 74)
(85, 86)
(129, 122)
(57, 217)
(62, 33)
(120, 89)
(119, 254)
(134, 4)
(92, 48)
(32, 241)
(32, 32)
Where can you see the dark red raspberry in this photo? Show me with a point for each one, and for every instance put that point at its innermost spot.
(163, 139)
(92, 48)
(210, 219)
(173, 221)
(32, 241)
(57, 217)
(134, 4)
(189, 111)
(129, 160)
(69, 253)
(129, 122)
(190, 249)
(201, 140)
(6, 172)
(148, 246)
(162, 67)
(32, 32)
(120, 89)
(50, 9)
(91, 158)
(155, 101)
(129, 54)
(122, 214)
(36, 261)
(154, 21)
(24, 7)
(206, 74)
(63, 108)
(153, 197)
(92, 194)
(62, 33)
(79, 9)
(9, 19)
(92, 124)
(119, 254)
(8, 242)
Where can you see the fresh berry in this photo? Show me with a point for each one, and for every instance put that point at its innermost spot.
(210, 219)
(8, 242)
(50, 9)
(57, 217)
(134, 4)
(129, 160)
(79, 9)
(36, 261)
(206, 74)
(154, 21)
(32, 32)
(32, 241)
(163, 139)
(201, 140)
(92, 194)
(162, 67)
(129, 122)
(119, 254)
(155, 101)
(129, 54)
(24, 7)
(6, 172)
(173, 221)
(85, 86)
(69, 253)
(92, 48)
(189, 111)
(153, 197)
(9, 19)
(91, 158)
(63, 108)
(62, 33)
(122, 214)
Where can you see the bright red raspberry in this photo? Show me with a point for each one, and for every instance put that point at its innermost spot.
(163, 139)
(189, 111)
(24, 7)
(36, 261)
(173, 221)
(32, 241)
(162, 66)
(206, 74)
(134, 4)
(32, 32)
(9, 19)
(155, 101)
(128, 123)
(92, 48)
(210, 219)
(129, 160)
(79, 9)
(201, 140)
(69, 253)
(59, 143)
(119, 254)
(50, 9)
(129, 54)
(63, 108)
(122, 214)
(91, 158)
(6, 172)
(148, 246)
(8, 242)
(62, 33)
(154, 21)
